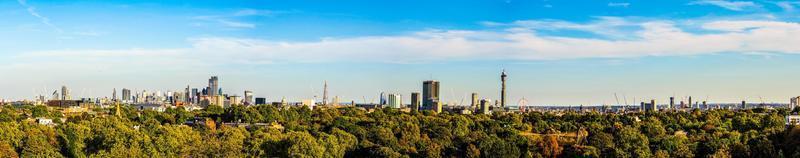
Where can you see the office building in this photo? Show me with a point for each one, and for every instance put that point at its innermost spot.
(474, 100)
(415, 101)
(430, 94)
(187, 96)
(126, 94)
(114, 95)
(65, 93)
(195, 96)
(395, 101)
(671, 103)
(213, 86)
(648, 107)
(235, 100)
(261, 101)
(744, 104)
(794, 102)
(485, 104)
(248, 97)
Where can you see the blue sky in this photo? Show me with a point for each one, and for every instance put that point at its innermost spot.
(557, 52)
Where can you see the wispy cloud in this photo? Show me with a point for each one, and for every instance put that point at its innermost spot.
(653, 38)
(787, 6)
(621, 4)
(730, 5)
(32, 11)
(256, 12)
(224, 21)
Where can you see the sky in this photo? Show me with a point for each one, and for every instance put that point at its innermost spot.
(555, 52)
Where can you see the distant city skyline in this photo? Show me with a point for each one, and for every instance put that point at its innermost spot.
(555, 52)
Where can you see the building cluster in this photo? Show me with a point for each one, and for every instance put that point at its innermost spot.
(430, 99)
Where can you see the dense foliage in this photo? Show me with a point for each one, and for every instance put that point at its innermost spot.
(350, 132)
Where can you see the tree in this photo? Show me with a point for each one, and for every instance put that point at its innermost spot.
(39, 141)
(39, 111)
(303, 145)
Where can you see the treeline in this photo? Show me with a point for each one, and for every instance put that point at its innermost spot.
(350, 132)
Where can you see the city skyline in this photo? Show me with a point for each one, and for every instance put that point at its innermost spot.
(556, 52)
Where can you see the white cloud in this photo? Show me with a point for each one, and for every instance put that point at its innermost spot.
(613, 4)
(32, 11)
(730, 5)
(225, 22)
(653, 38)
(787, 6)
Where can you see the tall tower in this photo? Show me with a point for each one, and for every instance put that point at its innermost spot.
(248, 98)
(65, 93)
(126, 94)
(671, 102)
(325, 93)
(691, 104)
(474, 100)
(213, 86)
(114, 95)
(430, 93)
(188, 96)
(503, 77)
(415, 101)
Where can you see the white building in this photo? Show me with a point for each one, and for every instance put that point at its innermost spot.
(395, 101)
(792, 120)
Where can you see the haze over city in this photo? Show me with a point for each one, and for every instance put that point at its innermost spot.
(556, 52)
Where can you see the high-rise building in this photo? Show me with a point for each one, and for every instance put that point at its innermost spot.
(671, 102)
(474, 100)
(248, 97)
(382, 99)
(794, 102)
(503, 77)
(325, 94)
(691, 104)
(261, 101)
(65, 93)
(195, 96)
(395, 101)
(235, 100)
(126, 94)
(744, 104)
(213, 86)
(114, 95)
(187, 98)
(485, 104)
(430, 93)
(415, 100)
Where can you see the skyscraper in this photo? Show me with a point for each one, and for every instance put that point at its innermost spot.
(671, 102)
(65, 93)
(188, 96)
(195, 97)
(395, 101)
(415, 101)
(114, 95)
(213, 86)
(503, 88)
(484, 109)
(126, 94)
(474, 100)
(325, 93)
(248, 97)
(430, 93)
